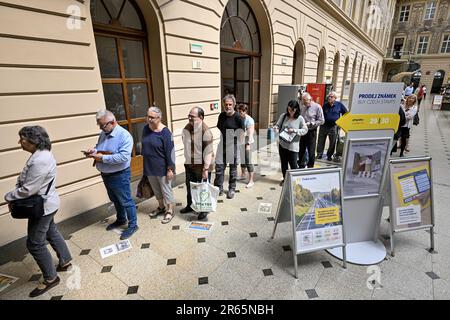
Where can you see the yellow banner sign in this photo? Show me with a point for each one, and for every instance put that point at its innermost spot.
(359, 122)
(327, 215)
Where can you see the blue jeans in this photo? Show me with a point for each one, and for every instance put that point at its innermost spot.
(119, 192)
(42, 229)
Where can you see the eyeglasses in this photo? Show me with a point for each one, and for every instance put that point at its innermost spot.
(192, 117)
(103, 126)
(152, 118)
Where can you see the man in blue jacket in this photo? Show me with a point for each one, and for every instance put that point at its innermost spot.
(332, 111)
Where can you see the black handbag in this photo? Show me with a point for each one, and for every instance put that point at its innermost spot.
(31, 207)
(416, 119)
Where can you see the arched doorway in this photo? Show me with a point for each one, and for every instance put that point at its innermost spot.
(438, 81)
(415, 78)
(360, 70)
(299, 63)
(390, 74)
(365, 73)
(375, 76)
(345, 81)
(240, 55)
(122, 50)
(354, 70)
(336, 64)
(321, 66)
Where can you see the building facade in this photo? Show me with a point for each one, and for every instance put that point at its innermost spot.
(419, 47)
(61, 61)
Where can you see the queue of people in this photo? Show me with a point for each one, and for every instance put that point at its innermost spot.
(297, 129)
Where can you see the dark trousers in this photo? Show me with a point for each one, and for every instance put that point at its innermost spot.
(42, 229)
(220, 176)
(119, 192)
(308, 141)
(331, 133)
(404, 135)
(192, 176)
(287, 158)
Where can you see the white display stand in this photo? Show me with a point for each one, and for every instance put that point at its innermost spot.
(363, 212)
(362, 253)
(309, 231)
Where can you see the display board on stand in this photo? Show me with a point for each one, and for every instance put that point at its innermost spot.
(437, 102)
(311, 200)
(370, 126)
(411, 190)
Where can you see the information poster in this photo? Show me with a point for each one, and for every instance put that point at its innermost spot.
(317, 211)
(364, 167)
(410, 193)
(6, 281)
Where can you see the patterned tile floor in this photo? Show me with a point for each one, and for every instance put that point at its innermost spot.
(236, 260)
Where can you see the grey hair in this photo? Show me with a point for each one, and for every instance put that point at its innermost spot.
(306, 95)
(229, 97)
(333, 93)
(156, 110)
(105, 114)
(37, 136)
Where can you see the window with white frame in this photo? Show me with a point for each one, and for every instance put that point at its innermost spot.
(404, 13)
(430, 10)
(446, 44)
(423, 44)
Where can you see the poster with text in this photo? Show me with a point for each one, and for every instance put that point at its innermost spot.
(364, 167)
(317, 210)
(411, 194)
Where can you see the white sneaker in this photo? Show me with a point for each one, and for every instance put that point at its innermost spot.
(250, 185)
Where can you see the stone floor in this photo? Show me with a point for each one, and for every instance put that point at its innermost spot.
(236, 260)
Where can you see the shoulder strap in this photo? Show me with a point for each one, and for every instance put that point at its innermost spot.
(49, 185)
(284, 118)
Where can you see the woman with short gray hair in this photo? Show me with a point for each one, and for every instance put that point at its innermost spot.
(159, 162)
(38, 177)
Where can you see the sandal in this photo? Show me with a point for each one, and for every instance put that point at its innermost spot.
(168, 217)
(48, 285)
(157, 212)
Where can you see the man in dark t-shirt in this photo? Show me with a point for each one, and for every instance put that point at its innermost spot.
(232, 129)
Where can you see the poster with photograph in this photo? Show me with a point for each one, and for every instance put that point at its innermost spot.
(365, 166)
(115, 249)
(201, 226)
(410, 193)
(265, 208)
(317, 211)
(6, 281)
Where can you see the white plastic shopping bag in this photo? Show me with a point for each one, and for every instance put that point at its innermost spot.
(204, 197)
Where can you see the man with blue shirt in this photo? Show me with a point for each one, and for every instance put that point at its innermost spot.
(409, 90)
(112, 156)
(332, 111)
